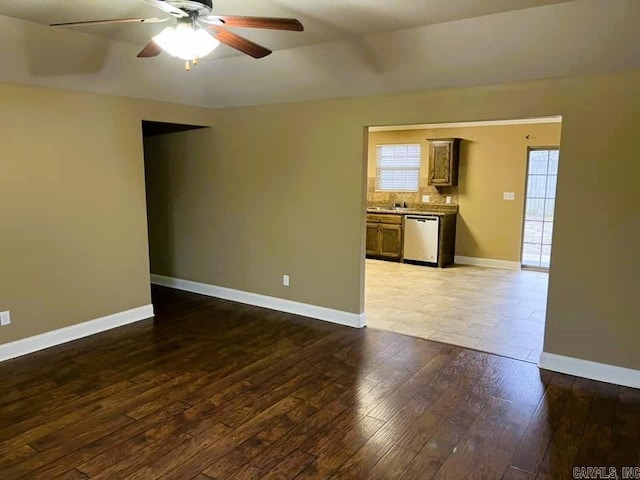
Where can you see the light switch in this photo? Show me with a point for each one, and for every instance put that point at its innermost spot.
(425, 198)
(448, 199)
(509, 196)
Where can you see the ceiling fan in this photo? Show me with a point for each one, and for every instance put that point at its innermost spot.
(196, 32)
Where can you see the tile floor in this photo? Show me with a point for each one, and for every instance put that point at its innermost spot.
(489, 309)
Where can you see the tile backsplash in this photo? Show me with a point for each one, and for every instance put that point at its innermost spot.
(413, 199)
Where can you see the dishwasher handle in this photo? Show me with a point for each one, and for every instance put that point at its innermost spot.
(422, 219)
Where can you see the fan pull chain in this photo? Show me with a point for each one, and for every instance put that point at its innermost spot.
(187, 66)
(195, 61)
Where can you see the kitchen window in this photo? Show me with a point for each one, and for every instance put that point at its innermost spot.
(398, 167)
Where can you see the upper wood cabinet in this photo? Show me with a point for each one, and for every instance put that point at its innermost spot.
(443, 162)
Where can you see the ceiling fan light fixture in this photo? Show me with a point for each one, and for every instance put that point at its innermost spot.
(186, 42)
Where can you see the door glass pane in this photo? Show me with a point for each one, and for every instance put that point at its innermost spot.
(538, 162)
(531, 254)
(552, 180)
(547, 232)
(545, 256)
(554, 156)
(549, 209)
(535, 209)
(532, 232)
(537, 186)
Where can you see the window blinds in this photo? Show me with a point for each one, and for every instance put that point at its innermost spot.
(398, 167)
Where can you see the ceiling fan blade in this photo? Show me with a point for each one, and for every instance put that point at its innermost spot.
(272, 23)
(165, 7)
(109, 21)
(241, 44)
(152, 49)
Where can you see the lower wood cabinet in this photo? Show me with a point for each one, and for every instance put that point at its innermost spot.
(384, 239)
(373, 239)
(390, 240)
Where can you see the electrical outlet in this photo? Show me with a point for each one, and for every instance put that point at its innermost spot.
(5, 318)
(425, 198)
(285, 280)
(448, 199)
(509, 196)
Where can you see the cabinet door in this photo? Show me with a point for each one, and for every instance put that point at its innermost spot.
(391, 240)
(443, 162)
(373, 240)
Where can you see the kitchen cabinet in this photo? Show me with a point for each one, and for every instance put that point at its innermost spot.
(447, 241)
(384, 236)
(443, 162)
(391, 240)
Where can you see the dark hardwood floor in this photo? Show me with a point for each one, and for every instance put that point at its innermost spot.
(216, 390)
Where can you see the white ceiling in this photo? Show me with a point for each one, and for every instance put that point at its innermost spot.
(349, 47)
(324, 20)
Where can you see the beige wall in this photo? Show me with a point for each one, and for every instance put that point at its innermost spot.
(73, 234)
(246, 210)
(493, 160)
(261, 209)
(72, 210)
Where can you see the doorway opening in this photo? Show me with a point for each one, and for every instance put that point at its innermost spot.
(542, 179)
(485, 300)
(169, 150)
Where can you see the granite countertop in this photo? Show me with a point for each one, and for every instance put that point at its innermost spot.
(410, 211)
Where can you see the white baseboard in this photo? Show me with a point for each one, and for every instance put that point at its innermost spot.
(73, 332)
(487, 262)
(289, 306)
(593, 370)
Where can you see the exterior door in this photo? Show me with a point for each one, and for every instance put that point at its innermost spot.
(542, 175)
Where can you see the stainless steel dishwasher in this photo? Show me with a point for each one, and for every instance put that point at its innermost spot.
(421, 234)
